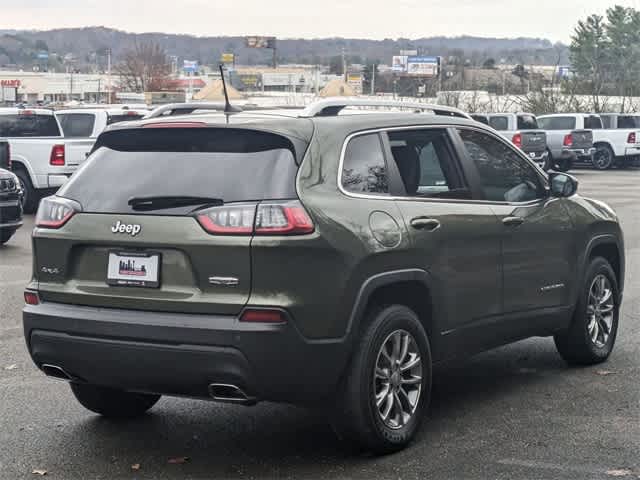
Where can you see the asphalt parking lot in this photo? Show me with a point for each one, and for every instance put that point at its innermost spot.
(517, 412)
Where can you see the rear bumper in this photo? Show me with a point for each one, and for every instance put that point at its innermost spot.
(181, 354)
(537, 156)
(631, 151)
(580, 154)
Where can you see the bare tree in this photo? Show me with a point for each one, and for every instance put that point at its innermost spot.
(145, 68)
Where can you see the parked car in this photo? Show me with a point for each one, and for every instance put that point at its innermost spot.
(317, 259)
(569, 139)
(522, 130)
(10, 205)
(622, 146)
(41, 157)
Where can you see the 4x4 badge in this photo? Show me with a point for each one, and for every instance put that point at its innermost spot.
(131, 228)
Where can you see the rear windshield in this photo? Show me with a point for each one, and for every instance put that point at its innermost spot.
(125, 117)
(557, 123)
(499, 123)
(628, 121)
(28, 125)
(76, 125)
(527, 122)
(232, 165)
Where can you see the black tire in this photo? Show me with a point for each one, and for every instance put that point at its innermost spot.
(355, 417)
(31, 197)
(113, 403)
(563, 164)
(604, 157)
(5, 235)
(576, 345)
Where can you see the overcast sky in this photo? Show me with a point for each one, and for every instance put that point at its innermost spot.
(552, 19)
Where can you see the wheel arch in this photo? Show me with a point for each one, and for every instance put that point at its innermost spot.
(413, 288)
(608, 247)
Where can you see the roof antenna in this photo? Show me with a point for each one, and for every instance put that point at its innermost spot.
(228, 108)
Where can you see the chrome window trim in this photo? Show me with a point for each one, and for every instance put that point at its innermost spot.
(496, 135)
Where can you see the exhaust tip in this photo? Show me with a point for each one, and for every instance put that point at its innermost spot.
(55, 371)
(224, 392)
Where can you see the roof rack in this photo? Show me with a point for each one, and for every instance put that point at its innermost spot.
(184, 109)
(333, 106)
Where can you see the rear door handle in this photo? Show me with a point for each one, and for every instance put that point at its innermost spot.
(423, 223)
(513, 221)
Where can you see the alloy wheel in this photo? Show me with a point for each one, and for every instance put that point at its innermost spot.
(397, 379)
(600, 310)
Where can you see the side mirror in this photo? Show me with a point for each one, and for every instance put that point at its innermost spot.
(563, 185)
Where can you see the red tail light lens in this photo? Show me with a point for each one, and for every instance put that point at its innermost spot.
(57, 156)
(54, 212)
(263, 316)
(229, 220)
(31, 298)
(631, 138)
(273, 218)
(568, 140)
(283, 219)
(517, 140)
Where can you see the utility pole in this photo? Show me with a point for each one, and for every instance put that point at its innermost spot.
(109, 75)
(344, 66)
(71, 84)
(373, 79)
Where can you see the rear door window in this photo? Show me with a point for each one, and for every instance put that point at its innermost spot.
(500, 123)
(364, 168)
(527, 122)
(481, 119)
(77, 124)
(126, 117)
(425, 163)
(557, 123)
(28, 125)
(592, 122)
(233, 165)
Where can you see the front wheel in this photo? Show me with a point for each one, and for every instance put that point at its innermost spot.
(592, 333)
(563, 164)
(111, 402)
(386, 389)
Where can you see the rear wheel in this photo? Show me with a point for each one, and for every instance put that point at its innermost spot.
(30, 195)
(111, 402)
(385, 392)
(592, 334)
(563, 164)
(603, 158)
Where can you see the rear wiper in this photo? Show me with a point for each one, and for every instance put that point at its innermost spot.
(167, 201)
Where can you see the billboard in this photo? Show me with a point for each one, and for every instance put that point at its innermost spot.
(399, 64)
(355, 82)
(261, 42)
(423, 66)
(190, 66)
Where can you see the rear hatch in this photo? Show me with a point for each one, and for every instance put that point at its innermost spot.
(582, 139)
(164, 219)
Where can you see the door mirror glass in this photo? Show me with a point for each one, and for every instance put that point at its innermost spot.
(563, 185)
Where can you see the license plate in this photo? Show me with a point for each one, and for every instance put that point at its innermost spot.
(132, 269)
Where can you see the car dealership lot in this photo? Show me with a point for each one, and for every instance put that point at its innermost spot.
(515, 412)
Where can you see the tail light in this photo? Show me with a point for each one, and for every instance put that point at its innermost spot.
(57, 156)
(631, 138)
(263, 316)
(568, 140)
(54, 212)
(31, 297)
(272, 218)
(517, 140)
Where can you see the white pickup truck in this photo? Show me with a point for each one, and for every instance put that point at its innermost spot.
(610, 145)
(626, 125)
(47, 147)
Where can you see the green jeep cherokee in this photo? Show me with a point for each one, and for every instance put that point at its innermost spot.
(311, 257)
